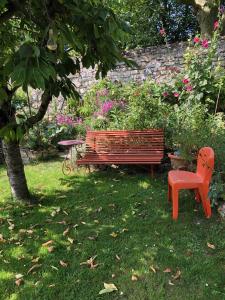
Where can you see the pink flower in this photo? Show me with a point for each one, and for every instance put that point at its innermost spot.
(196, 40)
(205, 43)
(165, 94)
(176, 94)
(216, 25)
(185, 80)
(162, 32)
(189, 88)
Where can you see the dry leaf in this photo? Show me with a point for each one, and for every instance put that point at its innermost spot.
(114, 234)
(70, 240)
(19, 276)
(2, 240)
(125, 230)
(211, 246)
(93, 238)
(108, 288)
(19, 282)
(47, 243)
(177, 275)
(153, 269)
(90, 262)
(134, 277)
(36, 266)
(53, 267)
(62, 222)
(63, 264)
(35, 260)
(167, 270)
(65, 232)
(117, 257)
(84, 223)
(51, 249)
(170, 283)
(51, 285)
(12, 226)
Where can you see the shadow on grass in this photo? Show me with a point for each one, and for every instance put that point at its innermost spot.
(123, 219)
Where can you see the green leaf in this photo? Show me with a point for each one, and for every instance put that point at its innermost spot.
(38, 79)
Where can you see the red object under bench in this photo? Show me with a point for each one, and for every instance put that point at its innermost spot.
(124, 147)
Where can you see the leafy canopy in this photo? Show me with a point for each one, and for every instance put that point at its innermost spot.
(146, 17)
(87, 30)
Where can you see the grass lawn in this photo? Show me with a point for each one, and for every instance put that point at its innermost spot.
(122, 219)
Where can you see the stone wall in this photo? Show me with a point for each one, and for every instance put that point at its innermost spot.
(159, 62)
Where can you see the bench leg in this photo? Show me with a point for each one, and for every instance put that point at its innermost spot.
(152, 171)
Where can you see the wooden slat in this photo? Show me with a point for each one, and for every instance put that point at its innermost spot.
(124, 147)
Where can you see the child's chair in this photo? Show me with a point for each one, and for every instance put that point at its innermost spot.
(198, 181)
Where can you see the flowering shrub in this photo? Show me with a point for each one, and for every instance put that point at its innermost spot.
(64, 120)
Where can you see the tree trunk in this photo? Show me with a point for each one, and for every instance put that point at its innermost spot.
(206, 17)
(15, 171)
(207, 14)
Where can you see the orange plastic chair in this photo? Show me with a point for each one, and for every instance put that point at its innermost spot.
(198, 181)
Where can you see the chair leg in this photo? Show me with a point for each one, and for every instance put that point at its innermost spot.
(175, 203)
(205, 202)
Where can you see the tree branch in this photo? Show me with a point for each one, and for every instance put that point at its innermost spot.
(45, 100)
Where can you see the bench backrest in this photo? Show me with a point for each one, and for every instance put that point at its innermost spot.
(122, 142)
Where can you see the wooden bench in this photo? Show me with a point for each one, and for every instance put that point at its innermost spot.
(124, 147)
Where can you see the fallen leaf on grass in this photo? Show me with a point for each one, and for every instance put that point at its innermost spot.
(19, 282)
(36, 266)
(125, 230)
(171, 283)
(134, 278)
(90, 262)
(211, 246)
(55, 211)
(114, 234)
(2, 240)
(47, 243)
(51, 249)
(84, 223)
(70, 240)
(153, 269)
(117, 257)
(92, 238)
(54, 268)
(19, 276)
(65, 232)
(108, 288)
(63, 264)
(6, 261)
(177, 275)
(35, 260)
(61, 222)
(167, 270)
(51, 285)
(11, 226)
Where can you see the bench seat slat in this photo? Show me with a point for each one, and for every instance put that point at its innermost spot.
(124, 147)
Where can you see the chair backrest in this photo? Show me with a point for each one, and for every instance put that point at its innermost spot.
(205, 163)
